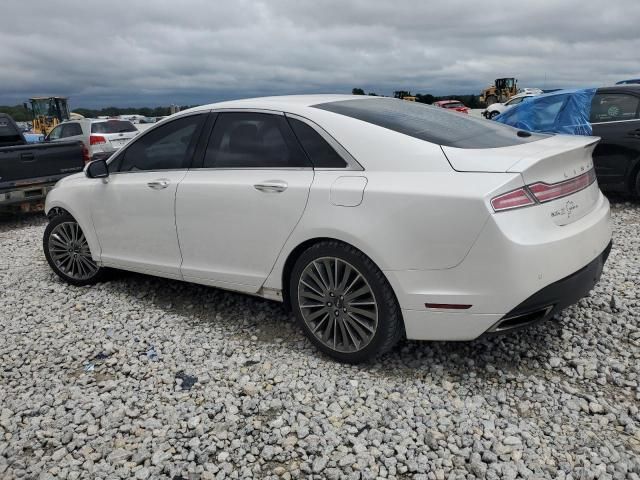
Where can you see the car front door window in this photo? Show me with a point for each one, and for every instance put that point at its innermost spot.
(614, 107)
(167, 147)
(56, 133)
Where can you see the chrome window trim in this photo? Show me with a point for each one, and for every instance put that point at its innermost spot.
(352, 163)
(616, 121)
(247, 110)
(285, 169)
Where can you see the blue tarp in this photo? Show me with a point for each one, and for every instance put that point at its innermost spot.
(564, 111)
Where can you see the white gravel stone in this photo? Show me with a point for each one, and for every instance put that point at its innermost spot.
(558, 400)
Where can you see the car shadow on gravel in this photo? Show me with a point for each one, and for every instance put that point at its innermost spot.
(246, 317)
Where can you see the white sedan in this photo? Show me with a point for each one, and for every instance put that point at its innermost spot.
(373, 219)
(496, 109)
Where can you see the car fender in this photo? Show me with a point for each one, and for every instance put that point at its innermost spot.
(72, 201)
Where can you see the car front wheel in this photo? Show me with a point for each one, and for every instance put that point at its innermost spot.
(344, 303)
(67, 252)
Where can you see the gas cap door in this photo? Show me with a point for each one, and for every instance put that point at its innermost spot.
(348, 191)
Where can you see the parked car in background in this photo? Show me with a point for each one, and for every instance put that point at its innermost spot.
(611, 113)
(29, 171)
(452, 105)
(102, 137)
(496, 109)
(372, 218)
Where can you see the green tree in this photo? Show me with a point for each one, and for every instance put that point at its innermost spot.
(357, 91)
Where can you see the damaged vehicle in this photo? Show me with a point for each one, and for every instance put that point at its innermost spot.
(611, 113)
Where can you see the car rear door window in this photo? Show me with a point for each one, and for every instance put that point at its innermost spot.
(167, 147)
(614, 107)
(321, 154)
(253, 140)
(71, 130)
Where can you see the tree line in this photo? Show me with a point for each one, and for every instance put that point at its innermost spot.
(471, 101)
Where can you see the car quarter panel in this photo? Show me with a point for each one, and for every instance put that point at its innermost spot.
(420, 221)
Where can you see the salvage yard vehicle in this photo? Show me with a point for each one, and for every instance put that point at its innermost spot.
(47, 112)
(501, 91)
(611, 113)
(29, 171)
(372, 218)
(455, 105)
(496, 109)
(101, 137)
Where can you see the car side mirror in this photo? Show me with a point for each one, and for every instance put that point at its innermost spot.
(97, 169)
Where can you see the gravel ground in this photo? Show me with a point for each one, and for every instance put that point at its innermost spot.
(149, 378)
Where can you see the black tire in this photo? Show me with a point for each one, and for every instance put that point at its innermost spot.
(89, 276)
(490, 100)
(636, 192)
(493, 115)
(389, 327)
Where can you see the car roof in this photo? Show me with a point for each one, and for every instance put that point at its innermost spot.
(635, 88)
(288, 103)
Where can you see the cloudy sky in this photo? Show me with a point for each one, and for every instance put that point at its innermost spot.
(153, 52)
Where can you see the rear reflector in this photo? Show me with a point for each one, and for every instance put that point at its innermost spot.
(449, 306)
(96, 139)
(85, 154)
(541, 192)
(513, 199)
(545, 192)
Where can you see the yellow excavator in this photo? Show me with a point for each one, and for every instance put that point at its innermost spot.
(47, 112)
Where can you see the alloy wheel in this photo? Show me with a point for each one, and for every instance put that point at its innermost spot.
(70, 251)
(337, 304)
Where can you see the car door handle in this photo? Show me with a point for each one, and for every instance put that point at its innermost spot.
(275, 186)
(27, 157)
(158, 184)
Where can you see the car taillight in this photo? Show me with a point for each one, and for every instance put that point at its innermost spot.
(514, 199)
(541, 192)
(545, 192)
(85, 154)
(97, 139)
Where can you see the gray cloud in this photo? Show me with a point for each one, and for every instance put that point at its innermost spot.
(194, 51)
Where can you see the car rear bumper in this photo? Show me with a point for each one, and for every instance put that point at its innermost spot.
(512, 268)
(545, 303)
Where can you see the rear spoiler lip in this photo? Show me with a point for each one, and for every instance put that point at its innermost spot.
(457, 158)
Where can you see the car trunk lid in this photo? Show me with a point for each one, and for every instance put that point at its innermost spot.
(557, 170)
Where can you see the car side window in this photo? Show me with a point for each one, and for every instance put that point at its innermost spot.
(613, 107)
(71, 130)
(253, 140)
(514, 101)
(167, 147)
(321, 154)
(56, 133)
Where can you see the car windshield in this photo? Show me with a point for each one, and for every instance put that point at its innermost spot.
(453, 105)
(432, 124)
(113, 126)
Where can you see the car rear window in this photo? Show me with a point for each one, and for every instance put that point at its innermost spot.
(113, 126)
(435, 125)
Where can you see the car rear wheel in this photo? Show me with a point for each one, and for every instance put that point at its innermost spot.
(344, 303)
(67, 252)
